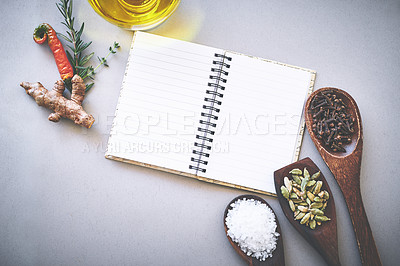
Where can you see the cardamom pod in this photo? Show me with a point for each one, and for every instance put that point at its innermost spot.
(313, 224)
(316, 175)
(318, 199)
(317, 188)
(326, 195)
(321, 194)
(308, 201)
(296, 179)
(287, 183)
(285, 192)
(306, 174)
(317, 212)
(295, 171)
(316, 205)
(291, 205)
(302, 208)
(304, 182)
(297, 192)
(300, 216)
(293, 195)
(310, 195)
(312, 187)
(305, 218)
(294, 184)
(303, 195)
(319, 218)
(311, 183)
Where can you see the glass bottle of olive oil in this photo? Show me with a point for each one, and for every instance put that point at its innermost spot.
(135, 14)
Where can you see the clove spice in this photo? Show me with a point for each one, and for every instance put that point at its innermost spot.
(331, 122)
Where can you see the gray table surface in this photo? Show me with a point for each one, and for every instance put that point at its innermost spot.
(63, 203)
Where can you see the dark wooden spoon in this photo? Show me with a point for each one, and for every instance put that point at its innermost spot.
(324, 237)
(345, 166)
(277, 258)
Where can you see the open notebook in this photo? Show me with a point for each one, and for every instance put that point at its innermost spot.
(208, 113)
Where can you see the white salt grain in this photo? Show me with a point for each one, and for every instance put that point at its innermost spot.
(251, 224)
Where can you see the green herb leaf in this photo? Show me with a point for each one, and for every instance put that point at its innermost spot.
(77, 54)
(89, 86)
(85, 59)
(64, 37)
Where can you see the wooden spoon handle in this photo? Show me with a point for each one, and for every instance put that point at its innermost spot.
(365, 240)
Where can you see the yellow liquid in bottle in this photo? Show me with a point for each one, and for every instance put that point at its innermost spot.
(135, 14)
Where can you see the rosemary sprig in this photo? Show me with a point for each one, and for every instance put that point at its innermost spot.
(103, 61)
(80, 58)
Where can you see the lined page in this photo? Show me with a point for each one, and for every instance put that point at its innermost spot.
(160, 102)
(259, 121)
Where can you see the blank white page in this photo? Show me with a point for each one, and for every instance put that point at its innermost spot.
(258, 125)
(160, 102)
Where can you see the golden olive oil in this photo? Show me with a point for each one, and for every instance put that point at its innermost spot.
(135, 14)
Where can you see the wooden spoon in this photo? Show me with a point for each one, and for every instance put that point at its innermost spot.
(324, 237)
(277, 258)
(345, 167)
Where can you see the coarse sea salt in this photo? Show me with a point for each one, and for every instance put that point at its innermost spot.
(251, 224)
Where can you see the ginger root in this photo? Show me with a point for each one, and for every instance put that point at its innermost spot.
(61, 106)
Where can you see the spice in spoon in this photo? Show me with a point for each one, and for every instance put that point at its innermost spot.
(331, 122)
(306, 198)
(252, 225)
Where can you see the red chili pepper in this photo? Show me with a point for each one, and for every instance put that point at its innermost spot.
(45, 32)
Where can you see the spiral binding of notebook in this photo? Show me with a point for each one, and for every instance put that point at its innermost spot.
(202, 145)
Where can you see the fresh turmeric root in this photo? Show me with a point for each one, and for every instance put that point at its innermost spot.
(61, 106)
